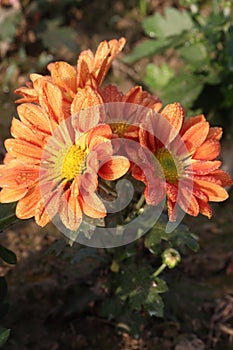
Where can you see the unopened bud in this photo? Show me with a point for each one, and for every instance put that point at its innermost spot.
(171, 257)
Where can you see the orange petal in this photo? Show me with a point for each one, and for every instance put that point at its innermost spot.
(223, 177)
(188, 202)
(114, 168)
(214, 134)
(214, 192)
(8, 195)
(26, 206)
(84, 67)
(85, 98)
(138, 96)
(29, 95)
(18, 175)
(172, 213)
(70, 211)
(24, 150)
(21, 131)
(102, 130)
(204, 208)
(105, 54)
(92, 206)
(195, 135)
(50, 98)
(174, 113)
(64, 75)
(41, 216)
(190, 121)
(111, 94)
(205, 167)
(33, 116)
(209, 150)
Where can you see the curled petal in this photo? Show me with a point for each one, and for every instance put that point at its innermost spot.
(114, 168)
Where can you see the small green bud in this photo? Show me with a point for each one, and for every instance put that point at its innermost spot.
(171, 257)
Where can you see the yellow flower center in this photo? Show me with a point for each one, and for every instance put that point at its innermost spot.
(119, 128)
(74, 162)
(171, 167)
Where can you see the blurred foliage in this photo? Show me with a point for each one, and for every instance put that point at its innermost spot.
(131, 286)
(202, 40)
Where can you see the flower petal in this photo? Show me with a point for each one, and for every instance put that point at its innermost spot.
(105, 54)
(209, 150)
(111, 94)
(195, 135)
(70, 211)
(214, 192)
(8, 195)
(24, 150)
(64, 75)
(34, 117)
(114, 168)
(205, 167)
(21, 131)
(174, 113)
(92, 206)
(18, 175)
(86, 98)
(26, 206)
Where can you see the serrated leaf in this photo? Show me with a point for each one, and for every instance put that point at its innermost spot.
(174, 22)
(7, 255)
(4, 335)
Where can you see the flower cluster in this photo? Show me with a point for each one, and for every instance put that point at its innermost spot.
(62, 147)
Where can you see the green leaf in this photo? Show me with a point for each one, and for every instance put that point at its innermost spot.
(173, 23)
(7, 255)
(194, 54)
(7, 216)
(4, 335)
(184, 87)
(160, 285)
(146, 49)
(158, 77)
(55, 37)
(154, 304)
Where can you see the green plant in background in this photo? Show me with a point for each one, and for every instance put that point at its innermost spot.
(203, 46)
(132, 285)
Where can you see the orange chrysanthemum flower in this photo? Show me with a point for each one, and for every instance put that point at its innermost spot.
(56, 171)
(184, 167)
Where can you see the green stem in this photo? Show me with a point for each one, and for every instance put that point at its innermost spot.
(159, 270)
